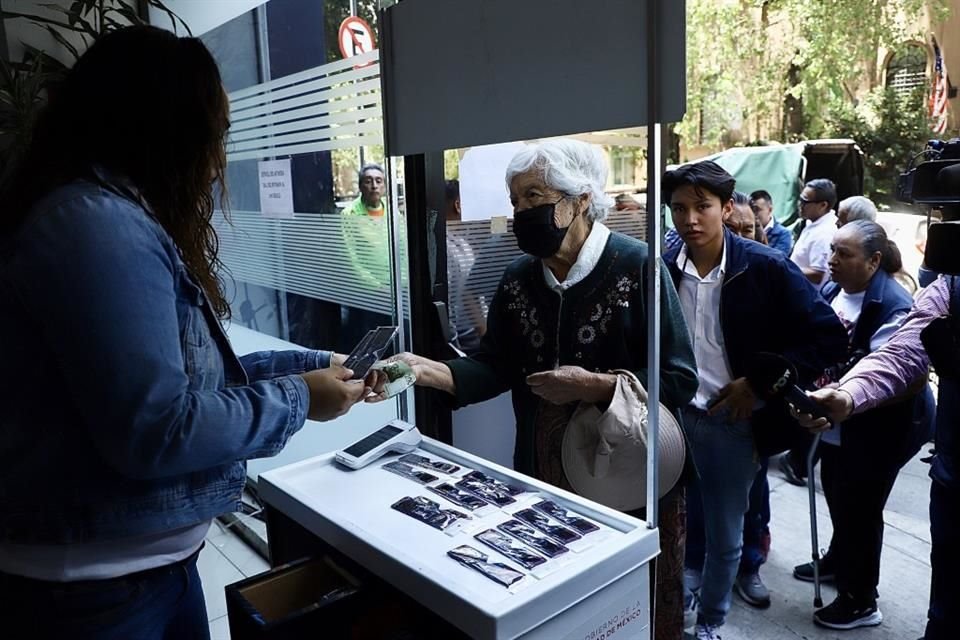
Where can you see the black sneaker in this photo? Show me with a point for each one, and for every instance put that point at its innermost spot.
(792, 475)
(844, 613)
(804, 572)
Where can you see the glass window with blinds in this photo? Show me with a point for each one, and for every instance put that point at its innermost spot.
(317, 273)
(308, 254)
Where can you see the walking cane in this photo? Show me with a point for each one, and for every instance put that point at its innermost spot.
(814, 538)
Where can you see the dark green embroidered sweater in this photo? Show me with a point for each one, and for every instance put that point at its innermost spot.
(599, 324)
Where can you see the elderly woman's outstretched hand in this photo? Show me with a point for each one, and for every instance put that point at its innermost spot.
(573, 384)
(429, 373)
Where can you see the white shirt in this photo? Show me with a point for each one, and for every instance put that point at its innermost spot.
(586, 262)
(847, 306)
(812, 250)
(700, 302)
(101, 560)
(770, 224)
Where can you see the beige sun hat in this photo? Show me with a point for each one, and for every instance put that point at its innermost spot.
(604, 454)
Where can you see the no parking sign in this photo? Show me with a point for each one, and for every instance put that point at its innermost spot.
(356, 37)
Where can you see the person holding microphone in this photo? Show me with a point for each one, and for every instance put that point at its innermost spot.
(927, 336)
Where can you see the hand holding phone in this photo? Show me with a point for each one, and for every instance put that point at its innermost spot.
(332, 392)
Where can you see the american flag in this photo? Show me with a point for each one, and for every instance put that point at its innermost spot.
(939, 92)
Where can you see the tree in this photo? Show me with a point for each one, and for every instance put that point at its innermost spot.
(890, 129)
(773, 68)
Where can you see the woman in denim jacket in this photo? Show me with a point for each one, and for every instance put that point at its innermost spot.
(126, 415)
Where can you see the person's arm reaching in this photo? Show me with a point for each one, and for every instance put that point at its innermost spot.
(891, 369)
(109, 311)
(888, 371)
(267, 365)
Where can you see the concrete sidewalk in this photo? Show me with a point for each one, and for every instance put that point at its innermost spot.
(904, 576)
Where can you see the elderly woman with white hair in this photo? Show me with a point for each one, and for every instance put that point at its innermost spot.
(565, 316)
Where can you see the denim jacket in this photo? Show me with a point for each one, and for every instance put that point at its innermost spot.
(124, 409)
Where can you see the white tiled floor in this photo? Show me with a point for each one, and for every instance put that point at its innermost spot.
(224, 560)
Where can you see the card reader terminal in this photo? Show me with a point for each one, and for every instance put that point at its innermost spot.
(397, 436)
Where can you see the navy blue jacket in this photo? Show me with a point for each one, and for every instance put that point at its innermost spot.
(905, 425)
(768, 305)
(780, 238)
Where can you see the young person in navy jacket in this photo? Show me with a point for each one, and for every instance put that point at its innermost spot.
(728, 286)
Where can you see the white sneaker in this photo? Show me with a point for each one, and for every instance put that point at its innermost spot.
(706, 632)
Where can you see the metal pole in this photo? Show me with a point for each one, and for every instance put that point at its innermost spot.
(396, 270)
(814, 534)
(653, 273)
(654, 162)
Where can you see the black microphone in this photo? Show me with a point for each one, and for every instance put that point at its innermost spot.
(772, 376)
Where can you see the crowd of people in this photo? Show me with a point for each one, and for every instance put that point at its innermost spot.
(128, 416)
(831, 298)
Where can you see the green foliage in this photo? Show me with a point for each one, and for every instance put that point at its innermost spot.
(749, 61)
(24, 84)
(451, 164)
(890, 129)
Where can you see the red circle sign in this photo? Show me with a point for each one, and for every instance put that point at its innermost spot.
(356, 37)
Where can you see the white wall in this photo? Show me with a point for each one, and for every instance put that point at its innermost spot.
(203, 15)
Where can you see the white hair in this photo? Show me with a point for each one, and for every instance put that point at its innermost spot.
(569, 166)
(858, 208)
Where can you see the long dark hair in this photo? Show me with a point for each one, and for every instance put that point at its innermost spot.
(147, 105)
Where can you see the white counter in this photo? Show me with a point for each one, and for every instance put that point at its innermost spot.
(601, 591)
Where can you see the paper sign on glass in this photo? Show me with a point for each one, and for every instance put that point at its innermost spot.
(276, 188)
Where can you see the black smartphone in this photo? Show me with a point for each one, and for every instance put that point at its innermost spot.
(370, 349)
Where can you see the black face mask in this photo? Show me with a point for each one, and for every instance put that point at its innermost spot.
(536, 231)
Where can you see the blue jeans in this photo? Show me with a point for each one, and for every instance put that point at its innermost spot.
(726, 467)
(756, 529)
(756, 523)
(158, 604)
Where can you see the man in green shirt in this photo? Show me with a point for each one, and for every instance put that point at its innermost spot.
(372, 190)
(366, 240)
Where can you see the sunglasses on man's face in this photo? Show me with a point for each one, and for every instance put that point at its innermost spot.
(803, 201)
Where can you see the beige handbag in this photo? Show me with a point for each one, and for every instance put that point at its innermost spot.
(604, 454)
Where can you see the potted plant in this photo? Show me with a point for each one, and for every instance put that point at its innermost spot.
(25, 84)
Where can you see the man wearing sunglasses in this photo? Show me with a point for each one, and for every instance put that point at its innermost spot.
(812, 250)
